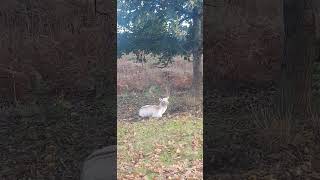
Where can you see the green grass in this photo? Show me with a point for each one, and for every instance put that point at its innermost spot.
(160, 148)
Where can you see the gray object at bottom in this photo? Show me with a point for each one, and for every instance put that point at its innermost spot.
(101, 165)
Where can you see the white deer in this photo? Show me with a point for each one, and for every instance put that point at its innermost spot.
(155, 111)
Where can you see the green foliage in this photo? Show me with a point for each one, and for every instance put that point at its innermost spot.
(159, 27)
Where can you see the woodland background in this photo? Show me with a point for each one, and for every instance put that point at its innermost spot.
(54, 89)
(263, 55)
(57, 85)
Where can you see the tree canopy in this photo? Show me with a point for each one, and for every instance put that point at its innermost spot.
(161, 27)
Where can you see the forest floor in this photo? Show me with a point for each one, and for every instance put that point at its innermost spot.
(52, 143)
(244, 138)
(170, 148)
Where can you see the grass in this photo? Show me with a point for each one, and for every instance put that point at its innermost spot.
(133, 77)
(162, 149)
(166, 148)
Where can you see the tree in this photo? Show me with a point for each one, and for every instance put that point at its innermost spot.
(298, 55)
(197, 38)
(163, 27)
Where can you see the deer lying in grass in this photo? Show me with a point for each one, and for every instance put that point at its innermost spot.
(155, 111)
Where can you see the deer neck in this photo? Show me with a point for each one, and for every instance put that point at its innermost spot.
(163, 105)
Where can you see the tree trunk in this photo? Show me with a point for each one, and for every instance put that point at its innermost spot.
(197, 36)
(196, 79)
(298, 55)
